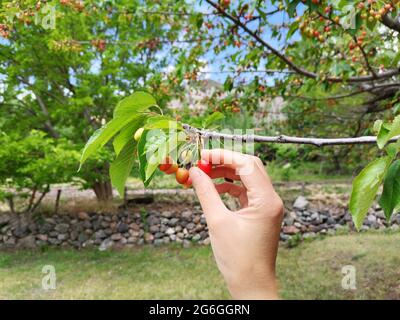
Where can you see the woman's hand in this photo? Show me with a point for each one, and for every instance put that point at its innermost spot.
(244, 242)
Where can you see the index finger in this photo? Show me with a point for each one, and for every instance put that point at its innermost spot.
(249, 168)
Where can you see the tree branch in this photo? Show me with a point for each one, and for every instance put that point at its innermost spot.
(390, 23)
(291, 64)
(282, 139)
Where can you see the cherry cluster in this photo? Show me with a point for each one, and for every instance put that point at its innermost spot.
(182, 174)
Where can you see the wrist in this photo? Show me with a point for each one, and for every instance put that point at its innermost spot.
(254, 287)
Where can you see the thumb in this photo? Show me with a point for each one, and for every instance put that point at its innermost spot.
(208, 196)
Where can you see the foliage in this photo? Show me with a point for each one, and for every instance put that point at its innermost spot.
(383, 169)
(30, 165)
(64, 80)
(162, 136)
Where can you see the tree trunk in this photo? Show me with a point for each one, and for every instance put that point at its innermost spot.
(103, 190)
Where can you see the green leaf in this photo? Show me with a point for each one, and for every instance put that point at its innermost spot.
(127, 133)
(212, 119)
(292, 7)
(365, 187)
(228, 84)
(377, 126)
(152, 147)
(136, 103)
(162, 122)
(390, 198)
(122, 166)
(101, 136)
(388, 132)
(142, 155)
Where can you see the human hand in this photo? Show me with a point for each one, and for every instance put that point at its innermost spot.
(244, 242)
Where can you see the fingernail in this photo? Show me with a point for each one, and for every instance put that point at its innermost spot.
(194, 173)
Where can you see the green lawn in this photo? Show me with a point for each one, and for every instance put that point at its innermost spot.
(309, 271)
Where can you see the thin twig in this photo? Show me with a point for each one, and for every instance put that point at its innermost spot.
(319, 142)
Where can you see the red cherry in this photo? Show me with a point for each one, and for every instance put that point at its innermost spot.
(166, 164)
(172, 169)
(182, 175)
(204, 166)
(188, 184)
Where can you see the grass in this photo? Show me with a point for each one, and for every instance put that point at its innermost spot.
(310, 271)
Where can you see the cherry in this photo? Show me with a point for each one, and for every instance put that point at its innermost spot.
(172, 169)
(182, 175)
(188, 183)
(166, 164)
(204, 166)
(138, 134)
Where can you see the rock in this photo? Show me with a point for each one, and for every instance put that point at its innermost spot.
(154, 229)
(82, 237)
(167, 214)
(187, 215)
(308, 235)
(158, 242)
(186, 243)
(290, 230)
(100, 234)
(116, 237)
(301, 203)
(284, 237)
(20, 231)
(62, 236)
(196, 237)
(28, 242)
(148, 237)
(315, 216)
(297, 224)
(73, 235)
(62, 227)
(207, 241)
(47, 227)
(32, 227)
(54, 241)
(190, 226)
(288, 221)
(134, 233)
(132, 240)
(158, 235)
(330, 220)
(122, 227)
(166, 240)
(83, 215)
(173, 222)
(170, 231)
(42, 237)
(106, 244)
(134, 226)
(4, 219)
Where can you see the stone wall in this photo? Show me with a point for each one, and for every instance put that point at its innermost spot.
(186, 227)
